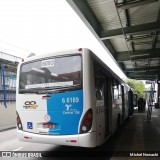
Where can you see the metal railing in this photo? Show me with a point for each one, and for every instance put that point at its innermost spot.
(7, 86)
(150, 100)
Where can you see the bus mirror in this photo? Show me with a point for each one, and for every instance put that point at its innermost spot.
(99, 94)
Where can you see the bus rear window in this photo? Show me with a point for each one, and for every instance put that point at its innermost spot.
(51, 72)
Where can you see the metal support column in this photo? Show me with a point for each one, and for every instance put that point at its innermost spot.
(158, 94)
(4, 87)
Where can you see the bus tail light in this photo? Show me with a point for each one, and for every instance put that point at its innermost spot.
(86, 123)
(72, 141)
(19, 124)
(80, 49)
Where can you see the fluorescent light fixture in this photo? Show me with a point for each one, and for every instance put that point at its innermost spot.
(54, 75)
(139, 55)
(37, 70)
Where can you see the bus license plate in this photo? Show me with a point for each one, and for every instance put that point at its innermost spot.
(48, 125)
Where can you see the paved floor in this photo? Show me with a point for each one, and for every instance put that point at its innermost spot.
(140, 136)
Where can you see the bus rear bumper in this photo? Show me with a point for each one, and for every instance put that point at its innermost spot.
(82, 140)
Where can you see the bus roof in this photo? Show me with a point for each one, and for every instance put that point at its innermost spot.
(56, 53)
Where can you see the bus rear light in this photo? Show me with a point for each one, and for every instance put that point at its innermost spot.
(46, 97)
(86, 122)
(80, 49)
(25, 137)
(73, 141)
(19, 124)
(89, 115)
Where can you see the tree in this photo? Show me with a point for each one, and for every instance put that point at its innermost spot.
(137, 86)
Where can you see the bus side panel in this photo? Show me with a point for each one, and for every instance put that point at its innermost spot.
(100, 115)
(130, 102)
(109, 108)
(87, 140)
(88, 89)
(126, 102)
(103, 103)
(116, 107)
(123, 103)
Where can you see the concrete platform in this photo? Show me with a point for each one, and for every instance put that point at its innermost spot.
(139, 135)
(7, 116)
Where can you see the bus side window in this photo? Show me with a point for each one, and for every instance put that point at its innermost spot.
(99, 81)
(99, 91)
(116, 90)
(115, 93)
(99, 94)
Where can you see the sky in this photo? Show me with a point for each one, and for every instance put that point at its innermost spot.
(45, 26)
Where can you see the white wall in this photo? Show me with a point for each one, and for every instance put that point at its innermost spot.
(7, 116)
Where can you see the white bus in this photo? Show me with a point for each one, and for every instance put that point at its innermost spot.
(69, 98)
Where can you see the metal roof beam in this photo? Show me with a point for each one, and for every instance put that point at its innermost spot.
(134, 30)
(140, 39)
(9, 57)
(128, 24)
(143, 69)
(83, 6)
(139, 54)
(133, 3)
(110, 47)
(143, 74)
(152, 77)
(148, 78)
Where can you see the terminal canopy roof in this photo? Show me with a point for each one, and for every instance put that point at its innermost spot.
(130, 30)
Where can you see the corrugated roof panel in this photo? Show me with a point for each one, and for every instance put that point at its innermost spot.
(142, 63)
(155, 62)
(142, 38)
(106, 13)
(143, 46)
(119, 44)
(143, 41)
(144, 14)
(128, 64)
